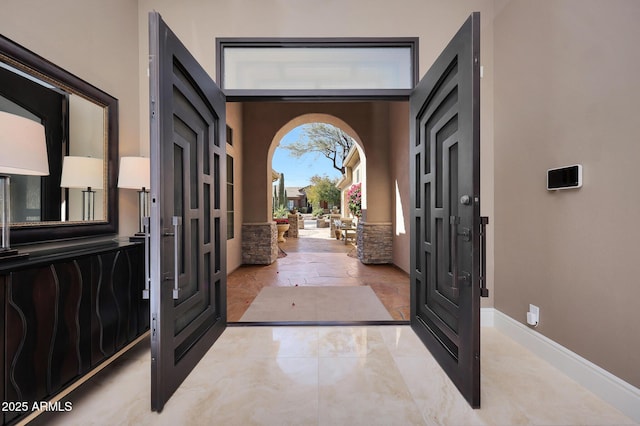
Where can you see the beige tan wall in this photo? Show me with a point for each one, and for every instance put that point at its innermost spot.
(566, 91)
(199, 22)
(234, 245)
(399, 168)
(98, 42)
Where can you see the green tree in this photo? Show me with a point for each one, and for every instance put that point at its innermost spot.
(325, 139)
(323, 188)
(282, 201)
(274, 202)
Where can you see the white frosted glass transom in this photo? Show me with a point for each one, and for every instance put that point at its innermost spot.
(317, 68)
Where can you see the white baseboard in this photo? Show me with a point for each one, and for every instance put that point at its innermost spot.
(486, 317)
(610, 388)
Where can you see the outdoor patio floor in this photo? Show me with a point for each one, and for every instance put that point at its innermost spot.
(315, 259)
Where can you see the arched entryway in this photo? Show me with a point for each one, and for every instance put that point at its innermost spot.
(372, 125)
(324, 175)
(324, 119)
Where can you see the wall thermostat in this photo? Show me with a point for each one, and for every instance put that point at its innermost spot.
(569, 177)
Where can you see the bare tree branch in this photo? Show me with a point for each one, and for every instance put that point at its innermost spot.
(324, 139)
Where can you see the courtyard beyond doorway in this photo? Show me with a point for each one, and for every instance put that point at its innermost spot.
(317, 260)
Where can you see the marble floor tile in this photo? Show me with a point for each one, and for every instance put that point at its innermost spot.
(403, 342)
(511, 370)
(364, 391)
(336, 376)
(267, 342)
(266, 391)
(350, 342)
(438, 398)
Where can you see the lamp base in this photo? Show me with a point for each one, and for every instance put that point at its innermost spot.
(7, 255)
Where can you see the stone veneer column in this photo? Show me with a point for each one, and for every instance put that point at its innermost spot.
(293, 226)
(259, 243)
(375, 242)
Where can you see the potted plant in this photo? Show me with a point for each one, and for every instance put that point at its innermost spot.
(280, 216)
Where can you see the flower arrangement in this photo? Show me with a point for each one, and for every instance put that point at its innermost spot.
(354, 197)
(281, 221)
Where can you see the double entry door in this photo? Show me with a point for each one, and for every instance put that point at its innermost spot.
(188, 247)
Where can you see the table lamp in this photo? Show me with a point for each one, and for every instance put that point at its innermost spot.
(23, 151)
(135, 174)
(85, 173)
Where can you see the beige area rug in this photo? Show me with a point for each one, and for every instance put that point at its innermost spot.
(358, 303)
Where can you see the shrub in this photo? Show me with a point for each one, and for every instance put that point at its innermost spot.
(281, 212)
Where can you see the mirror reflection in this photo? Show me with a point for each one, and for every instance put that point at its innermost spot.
(74, 126)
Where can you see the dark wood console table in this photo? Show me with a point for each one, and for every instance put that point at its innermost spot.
(67, 310)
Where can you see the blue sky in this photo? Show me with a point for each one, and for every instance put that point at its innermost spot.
(297, 171)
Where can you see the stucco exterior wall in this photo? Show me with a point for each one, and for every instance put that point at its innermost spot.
(401, 201)
(234, 245)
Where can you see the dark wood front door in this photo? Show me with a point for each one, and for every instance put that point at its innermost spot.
(188, 212)
(445, 210)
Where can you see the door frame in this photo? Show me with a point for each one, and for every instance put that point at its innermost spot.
(346, 95)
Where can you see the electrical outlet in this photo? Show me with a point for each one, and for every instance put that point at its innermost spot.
(534, 310)
(533, 316)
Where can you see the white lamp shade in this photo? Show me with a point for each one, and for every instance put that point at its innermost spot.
(134, 173)
(82, 172)
(23, 146)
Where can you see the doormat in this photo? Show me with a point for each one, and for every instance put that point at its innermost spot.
(358, 303)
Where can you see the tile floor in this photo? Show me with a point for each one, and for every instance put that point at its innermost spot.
(379, 375)
(315, 259)
(366, 375)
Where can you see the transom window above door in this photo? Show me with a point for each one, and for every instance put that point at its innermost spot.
(259, 67)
